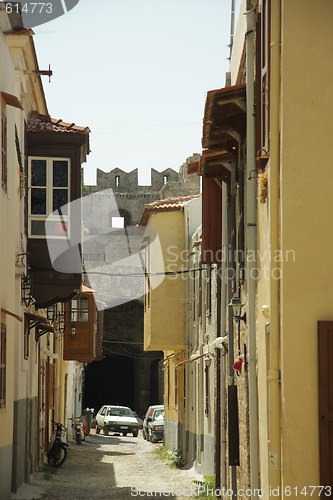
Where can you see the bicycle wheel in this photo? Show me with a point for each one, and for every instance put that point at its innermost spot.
(58, 456)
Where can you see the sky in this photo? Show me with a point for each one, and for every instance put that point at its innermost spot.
(137, 74)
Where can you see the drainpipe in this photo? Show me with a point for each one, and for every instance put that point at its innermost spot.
(223, 322)
(274, 372)
(251, 210)
(230, 251)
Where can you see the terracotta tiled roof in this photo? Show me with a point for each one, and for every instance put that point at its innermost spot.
(224, 91)
(86, 289)
(44, 123)
(167, 205)
(20, 31)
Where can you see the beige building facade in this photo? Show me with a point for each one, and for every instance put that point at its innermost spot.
(289, 157)
(18, 375)
(34, 378)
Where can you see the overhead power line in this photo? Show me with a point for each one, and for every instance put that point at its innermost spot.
(144, 275)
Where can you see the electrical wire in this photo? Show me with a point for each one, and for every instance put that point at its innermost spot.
(128, 355)
(144, 275)
(122, 342)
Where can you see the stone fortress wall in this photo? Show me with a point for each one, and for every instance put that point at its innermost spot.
(130, 197)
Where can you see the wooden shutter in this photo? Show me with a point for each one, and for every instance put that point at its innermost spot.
(265, 71)
(325, 367)
(4, 151)
(211, 221)
(263, 31)
(3, 366)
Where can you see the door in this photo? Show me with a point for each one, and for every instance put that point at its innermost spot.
(325, 366)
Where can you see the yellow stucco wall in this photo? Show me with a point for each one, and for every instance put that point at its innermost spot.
(306, 238)
(164, 322)
(306, 224)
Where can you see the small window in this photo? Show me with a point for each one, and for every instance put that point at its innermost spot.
(80, 310)
(206, 390)
(3, 366)
(165, 179)
(116, 181)
(118, 222)
(26, 339)
(4, 152)
(209, 292)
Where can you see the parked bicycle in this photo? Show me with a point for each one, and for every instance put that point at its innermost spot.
(58, 449)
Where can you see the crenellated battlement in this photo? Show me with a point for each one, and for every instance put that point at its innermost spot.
(131, 197)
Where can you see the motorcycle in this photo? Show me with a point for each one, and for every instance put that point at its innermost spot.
(78, 429)
(85, 427)
(58, 449)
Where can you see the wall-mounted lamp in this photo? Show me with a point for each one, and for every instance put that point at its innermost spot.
(51, 313)
(26, 297)
(237, 305)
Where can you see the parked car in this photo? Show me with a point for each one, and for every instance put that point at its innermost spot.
(156, 425)
(118, 419)
(147, 419)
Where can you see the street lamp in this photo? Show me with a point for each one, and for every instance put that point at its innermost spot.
(236, 305)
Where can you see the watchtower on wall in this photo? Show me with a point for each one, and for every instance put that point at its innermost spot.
(130, 197)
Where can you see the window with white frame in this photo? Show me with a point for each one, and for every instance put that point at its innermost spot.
(48, 193)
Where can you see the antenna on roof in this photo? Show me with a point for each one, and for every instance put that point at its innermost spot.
(232, 27)
(45, 72)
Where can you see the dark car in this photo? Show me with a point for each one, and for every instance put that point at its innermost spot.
(148, 419)
(156, 425)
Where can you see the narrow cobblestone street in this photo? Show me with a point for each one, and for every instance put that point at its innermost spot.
(113, 466)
